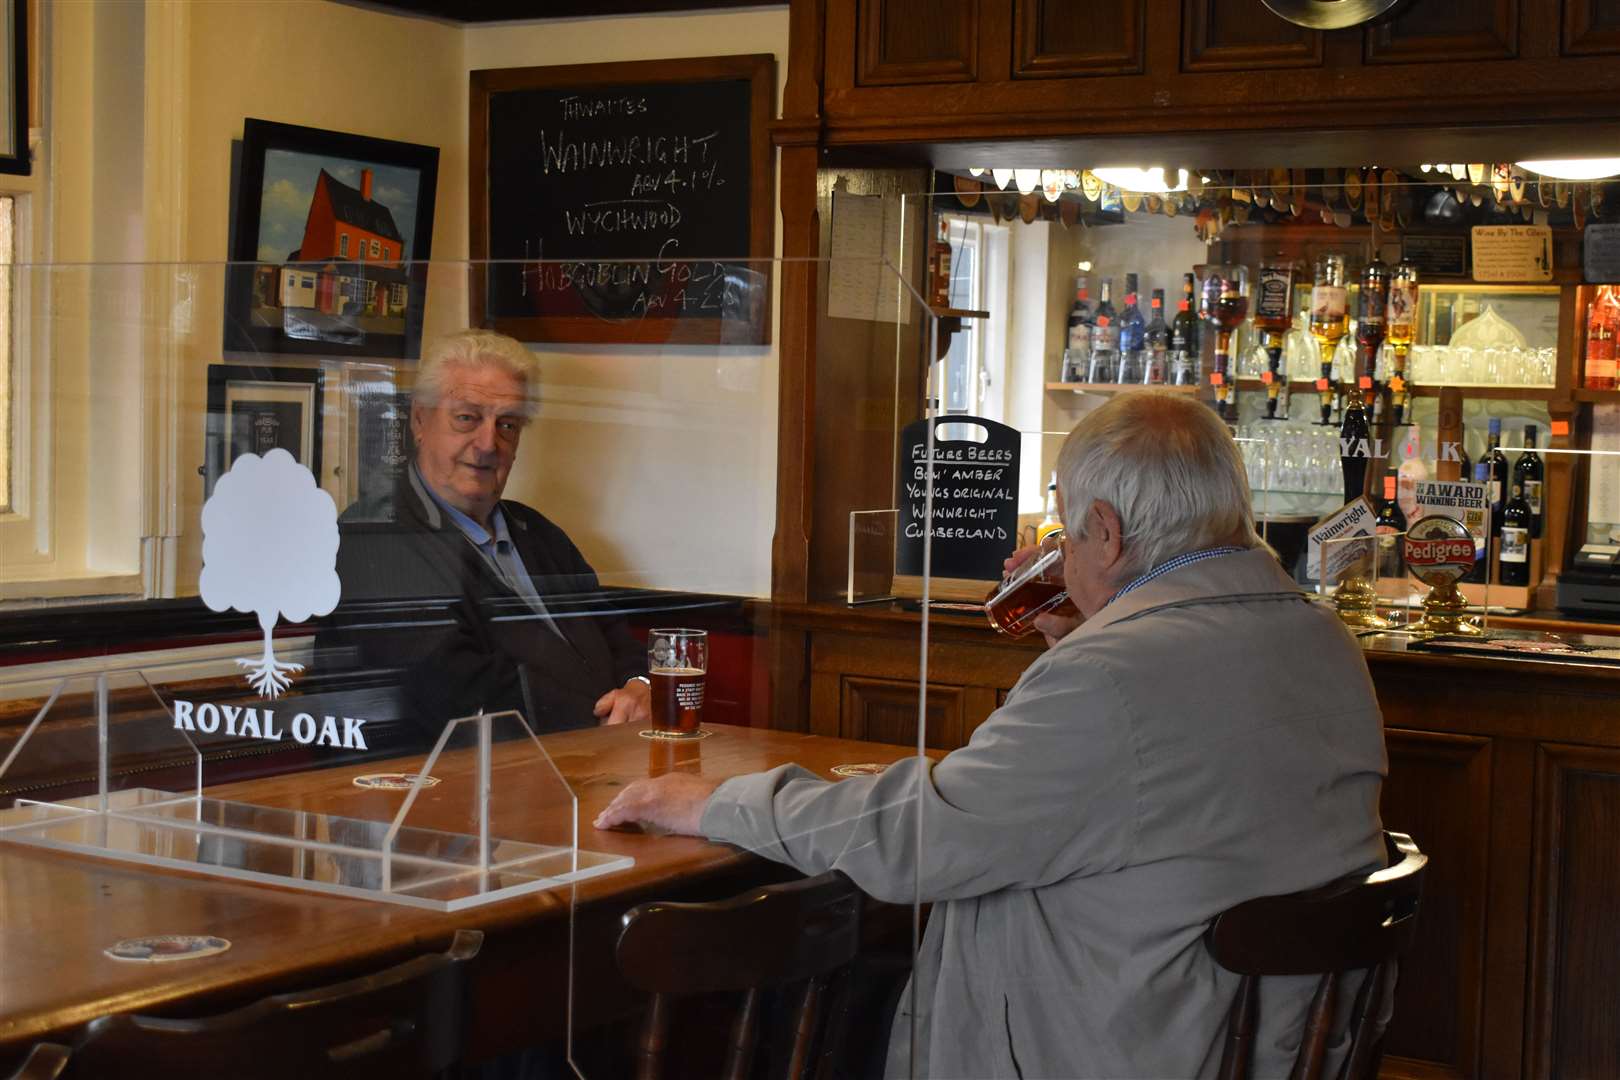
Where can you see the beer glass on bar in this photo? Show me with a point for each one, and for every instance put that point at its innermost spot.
(677, 662)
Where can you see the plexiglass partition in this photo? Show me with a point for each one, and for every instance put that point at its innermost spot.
(398, 631)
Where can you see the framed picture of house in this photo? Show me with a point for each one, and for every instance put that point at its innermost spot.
(330, 243)
(254, 410)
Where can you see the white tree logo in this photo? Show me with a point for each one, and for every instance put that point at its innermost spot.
(270, 543)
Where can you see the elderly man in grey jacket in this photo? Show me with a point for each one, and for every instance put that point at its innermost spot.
(1205, 735)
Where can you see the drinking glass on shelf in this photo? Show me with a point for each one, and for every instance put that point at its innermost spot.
(1498, 366)
(677, 664)
(1455, 364)
(1546, 365)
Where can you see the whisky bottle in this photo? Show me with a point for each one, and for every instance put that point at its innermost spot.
(1329, 322)
(1602, 331)
(1371, 310)
(1513, 559)
(1051, 523)
(1527, 474)
(1273, 296)
(1401, 330)
(1224, 304)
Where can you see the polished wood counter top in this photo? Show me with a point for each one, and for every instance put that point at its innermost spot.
(58, 911)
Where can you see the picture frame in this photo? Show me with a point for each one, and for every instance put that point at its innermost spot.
(254, 409)
(14, 156)
(331, 237)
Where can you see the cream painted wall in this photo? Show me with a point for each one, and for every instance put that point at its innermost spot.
(316, 64)
(659, 462)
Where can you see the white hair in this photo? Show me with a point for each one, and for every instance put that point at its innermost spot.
(1168, 467)
(473, 349)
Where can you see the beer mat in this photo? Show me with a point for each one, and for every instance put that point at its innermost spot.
(674, 736)
(1545, 648)
(161, 948)
(863, 768)
(393, 781)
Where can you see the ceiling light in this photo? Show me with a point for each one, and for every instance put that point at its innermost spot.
(1150, 181)
(1574, 168)
(1028, 180)
(977, 172)
(1002, 177)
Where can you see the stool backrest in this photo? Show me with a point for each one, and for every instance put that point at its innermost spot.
(1360, 923)
(405, 1021)
(796, 936)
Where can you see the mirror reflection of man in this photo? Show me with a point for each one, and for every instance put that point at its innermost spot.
(484, 589)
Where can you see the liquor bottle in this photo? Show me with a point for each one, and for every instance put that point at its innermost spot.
(1527, 474)
(1497, 463)
(1482, 556)
(1371, 310)
(1513, 558)
(1273, 296)
(1354, 442)
(1401, 330)
(1157, 339)
(1390, 521)
(1078, 352)
(1132, 332)
(1184, 344)
(1104, 338)
(1602, 333)
(1329, 322)
(1465, 464)
(1224, 304)
(1051, 522)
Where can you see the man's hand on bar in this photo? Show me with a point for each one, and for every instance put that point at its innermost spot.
(631, 704)
(670, 803)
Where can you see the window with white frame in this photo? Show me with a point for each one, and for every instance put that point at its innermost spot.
(976, 361)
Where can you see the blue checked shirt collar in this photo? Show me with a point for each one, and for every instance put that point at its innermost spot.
(1176, 563)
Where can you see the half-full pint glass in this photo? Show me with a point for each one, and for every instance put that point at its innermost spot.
(1034, 589)
(677, 661)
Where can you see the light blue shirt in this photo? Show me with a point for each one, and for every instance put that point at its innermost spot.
(495, 545)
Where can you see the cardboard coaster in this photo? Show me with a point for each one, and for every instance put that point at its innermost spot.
(393, 781)
(162, 948)
(864, 768)
(673, 736)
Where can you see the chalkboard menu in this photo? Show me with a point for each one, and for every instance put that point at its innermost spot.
(975, 518)
(627, 202)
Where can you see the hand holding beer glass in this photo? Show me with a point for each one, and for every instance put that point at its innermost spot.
(1033, 595)
(677, 662)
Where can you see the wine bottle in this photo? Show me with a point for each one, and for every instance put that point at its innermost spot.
(1527, 474)
(1498, 471)
(1513, 558)
(1157, 339)
(1184, 343)
(1132, 335)
(1389, 522)
(1078, 352)
(1104, 338)
(1482, 556)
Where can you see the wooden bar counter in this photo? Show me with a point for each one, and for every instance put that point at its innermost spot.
(1505, 771)
(58, 911)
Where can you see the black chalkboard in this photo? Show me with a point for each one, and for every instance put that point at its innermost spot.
(975, 522)
(625, 202)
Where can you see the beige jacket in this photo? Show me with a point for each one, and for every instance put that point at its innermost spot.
(1208, 738)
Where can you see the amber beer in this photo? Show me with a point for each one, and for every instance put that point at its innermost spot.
(677, 699)
(1034, 590)
(677, 663)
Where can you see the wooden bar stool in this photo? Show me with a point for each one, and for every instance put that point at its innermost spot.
(801, 936)
(1357, 923)
(405, 1021)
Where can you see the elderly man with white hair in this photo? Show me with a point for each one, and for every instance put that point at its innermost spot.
(447, 545)
(1204, 735)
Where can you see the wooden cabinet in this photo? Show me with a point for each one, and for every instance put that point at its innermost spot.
(1222, 36)
(1050, 38)
(1591, 27)
(916, 41)
(1454, 29)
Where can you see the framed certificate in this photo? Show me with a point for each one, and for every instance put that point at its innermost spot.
(254, 410)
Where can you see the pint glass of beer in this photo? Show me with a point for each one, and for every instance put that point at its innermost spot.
(677, 661)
